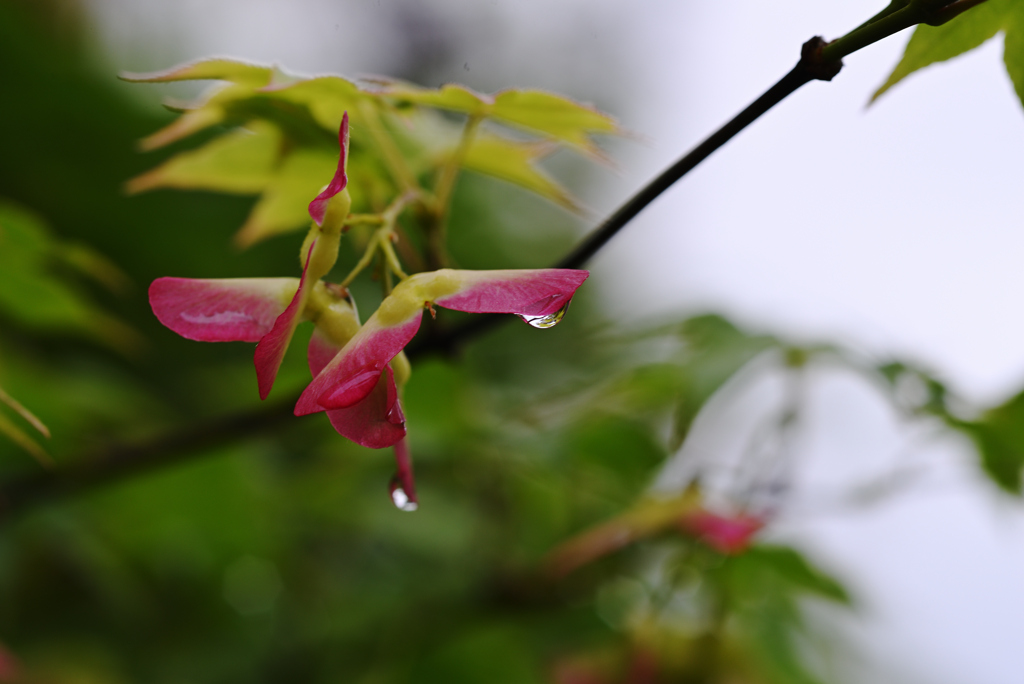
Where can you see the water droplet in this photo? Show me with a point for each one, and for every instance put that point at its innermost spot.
(548, 321)
(394, 414)
(400, 498)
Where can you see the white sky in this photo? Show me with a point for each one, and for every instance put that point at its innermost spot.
(894, 229)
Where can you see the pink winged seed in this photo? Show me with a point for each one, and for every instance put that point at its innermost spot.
(368, 352)
(350, 375)
(531, 292)
(272, 346)
(227, 310)
(318, 207)
(726, 534)
(377, 420)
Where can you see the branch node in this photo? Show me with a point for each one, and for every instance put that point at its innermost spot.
(814, 65)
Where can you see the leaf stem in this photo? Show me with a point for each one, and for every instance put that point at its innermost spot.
(381, 240)
(364, 220)
(437, 226)
(450, 170)
(399, 169)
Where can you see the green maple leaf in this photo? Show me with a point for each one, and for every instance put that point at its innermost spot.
(932, 44)
(280, 137)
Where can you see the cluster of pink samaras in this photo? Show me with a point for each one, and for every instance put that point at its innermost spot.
(353, 365)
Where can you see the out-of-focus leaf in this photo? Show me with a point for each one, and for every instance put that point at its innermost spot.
(764, 587)
(714, 350)
(19, 437)
(284, 204)
(649, 516)
(931, 44)
(514, 162)
(486, 654)
(193, 120)
(998, 434)
(999, 437)
(10, 667)
(32, 294)
(240, 162)
(29, 417)
(91, 263)
(798, 572)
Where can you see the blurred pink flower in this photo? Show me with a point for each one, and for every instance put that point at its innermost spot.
(729, 535)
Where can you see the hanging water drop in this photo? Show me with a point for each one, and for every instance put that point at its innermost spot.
(399, 497)
(548, 321)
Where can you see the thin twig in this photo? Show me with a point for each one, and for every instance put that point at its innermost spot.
(806, 70)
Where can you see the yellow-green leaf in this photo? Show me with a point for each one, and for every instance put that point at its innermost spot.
(553, 115)
(241, 162)
(536, 111)
(185, 125)
(327, 97)
(514, 162)
(236, 71)
(450, 96)
(932, 44)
